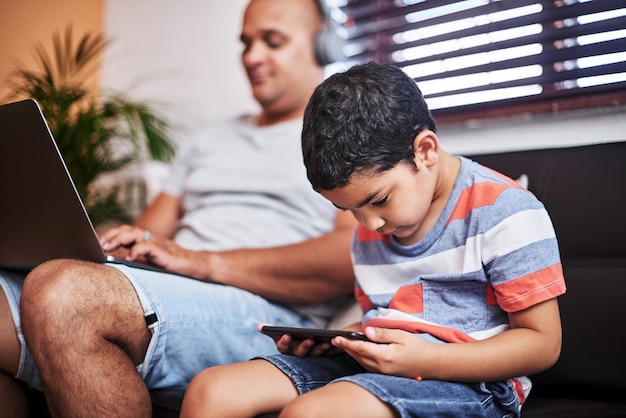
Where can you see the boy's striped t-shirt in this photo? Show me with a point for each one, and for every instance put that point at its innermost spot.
(492, 251)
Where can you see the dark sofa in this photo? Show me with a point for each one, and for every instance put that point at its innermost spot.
(583, 190)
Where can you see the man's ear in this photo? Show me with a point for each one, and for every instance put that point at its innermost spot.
(426, 148)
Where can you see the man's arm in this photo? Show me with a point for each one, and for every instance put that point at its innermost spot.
(310, 271)
(161, 217)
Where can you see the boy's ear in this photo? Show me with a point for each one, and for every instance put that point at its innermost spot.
(426, 148)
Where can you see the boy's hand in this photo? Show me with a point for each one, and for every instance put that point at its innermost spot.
(393, 352)
(286, 344)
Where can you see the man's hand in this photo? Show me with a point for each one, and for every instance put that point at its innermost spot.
(124, 236)
(138, 244)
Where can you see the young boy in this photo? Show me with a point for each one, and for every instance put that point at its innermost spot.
(457, 269)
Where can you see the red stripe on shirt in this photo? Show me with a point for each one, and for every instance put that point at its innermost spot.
(480, 194)
(535, 288)
(490, 294)
(445, 334)
(409, 299)
(364, 302)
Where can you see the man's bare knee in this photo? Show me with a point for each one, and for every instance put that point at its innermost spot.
(48, 283)
(61, 284)
(59, 289)
(81, 300)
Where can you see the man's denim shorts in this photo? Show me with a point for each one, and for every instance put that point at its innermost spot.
(197, 325)
(409, 397)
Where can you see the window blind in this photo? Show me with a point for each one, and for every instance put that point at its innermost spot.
(481, 54)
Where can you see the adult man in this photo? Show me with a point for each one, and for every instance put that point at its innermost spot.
(101, 335)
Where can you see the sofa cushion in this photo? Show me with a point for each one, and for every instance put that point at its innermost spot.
(572, 408)
(581, 188)
(592, 361)
(166, 402)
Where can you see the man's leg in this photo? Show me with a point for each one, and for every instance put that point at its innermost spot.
(85, 327)
(13, 401)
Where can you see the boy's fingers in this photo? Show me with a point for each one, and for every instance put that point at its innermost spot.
(385, 335)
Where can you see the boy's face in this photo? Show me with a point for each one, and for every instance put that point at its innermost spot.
(397, 201)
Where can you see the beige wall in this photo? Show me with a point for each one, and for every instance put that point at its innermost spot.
(23, 23)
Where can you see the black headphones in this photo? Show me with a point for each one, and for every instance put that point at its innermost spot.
(328, 46)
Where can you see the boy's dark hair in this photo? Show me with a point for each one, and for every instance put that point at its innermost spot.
(362, 119)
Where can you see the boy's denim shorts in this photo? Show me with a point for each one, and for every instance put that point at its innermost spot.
(198, 325)
(409, 397)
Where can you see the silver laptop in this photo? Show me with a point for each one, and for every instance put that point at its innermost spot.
(41, 214)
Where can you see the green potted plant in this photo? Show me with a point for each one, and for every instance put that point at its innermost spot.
(96, 133)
